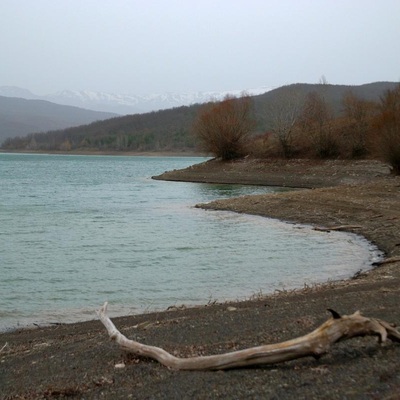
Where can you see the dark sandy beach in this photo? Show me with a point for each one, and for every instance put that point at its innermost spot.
(79, 361)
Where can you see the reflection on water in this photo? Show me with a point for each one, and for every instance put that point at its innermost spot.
(222, 191)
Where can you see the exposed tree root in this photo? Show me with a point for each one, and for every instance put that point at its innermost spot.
(313, 344)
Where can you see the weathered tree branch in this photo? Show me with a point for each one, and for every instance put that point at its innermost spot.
(3, 347)
(387, 261)
(313, 344)
(336, 228)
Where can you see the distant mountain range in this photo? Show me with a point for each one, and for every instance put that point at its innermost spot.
(122, 103)
(23, 112)
(19, 117)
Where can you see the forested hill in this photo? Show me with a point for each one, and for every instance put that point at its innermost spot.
(19, 117)
(170, 130)
(167, 130)
(332, 93)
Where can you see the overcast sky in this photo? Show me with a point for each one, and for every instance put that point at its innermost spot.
(156, 46)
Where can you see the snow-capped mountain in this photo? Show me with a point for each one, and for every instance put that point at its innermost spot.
(125, 104)
(14, 91)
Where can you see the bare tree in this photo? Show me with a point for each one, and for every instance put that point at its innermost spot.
(282, 116)
(316, 123)
(323, 80)
(358, 113)
(387, 123)
(223, 128)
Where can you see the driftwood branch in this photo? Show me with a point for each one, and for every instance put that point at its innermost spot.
(336, 228)
(313, 344)
(387, 261)
(3, 347)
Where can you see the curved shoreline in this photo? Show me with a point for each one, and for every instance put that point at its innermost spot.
(361, 195)
(359, 209)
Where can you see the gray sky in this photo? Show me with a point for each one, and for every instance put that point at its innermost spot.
(156, 46)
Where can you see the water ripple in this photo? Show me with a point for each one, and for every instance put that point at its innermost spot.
(78, 230)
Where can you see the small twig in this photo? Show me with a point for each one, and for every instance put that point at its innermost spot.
(3, 347)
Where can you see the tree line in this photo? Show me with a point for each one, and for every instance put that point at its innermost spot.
(300, 120)
(304, 126)
(155, 131)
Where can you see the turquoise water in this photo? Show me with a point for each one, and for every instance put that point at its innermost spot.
(76, 231)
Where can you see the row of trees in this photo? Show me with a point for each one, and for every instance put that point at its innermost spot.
(156, 131)
(304, 126)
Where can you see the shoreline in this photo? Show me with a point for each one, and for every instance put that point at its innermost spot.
(297, 173)
(375, 257)
(110, 153)
(360, 197)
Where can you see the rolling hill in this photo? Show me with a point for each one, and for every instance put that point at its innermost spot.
(170, 130)
(19, 117)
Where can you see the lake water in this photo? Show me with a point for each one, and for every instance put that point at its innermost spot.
(76, 231)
